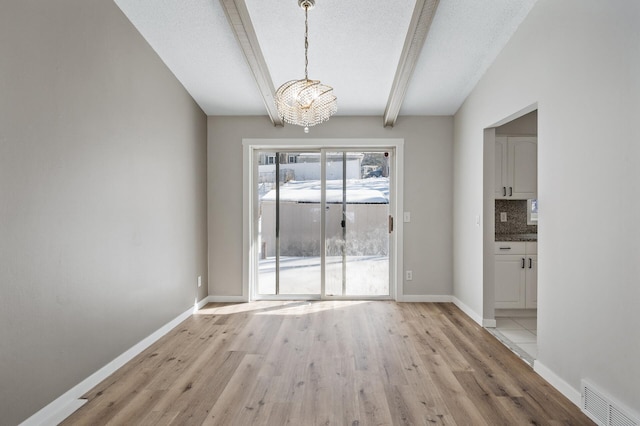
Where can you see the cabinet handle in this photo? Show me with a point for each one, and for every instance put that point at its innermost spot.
(510, 191)
(504, 191)
(523, 263)
(530, 263)
(505, 248)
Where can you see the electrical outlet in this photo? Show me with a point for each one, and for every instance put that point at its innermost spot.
(407, 217)
(199, 280)
(503, 216)
(409, 275)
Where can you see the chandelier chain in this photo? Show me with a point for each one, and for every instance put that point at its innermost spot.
(306, 41)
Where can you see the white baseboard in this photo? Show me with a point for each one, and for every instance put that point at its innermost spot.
(565, 388)
(60, 414)
(67, 403)
(227, 299)
(201, 304)
(424, 298)
(467, 310)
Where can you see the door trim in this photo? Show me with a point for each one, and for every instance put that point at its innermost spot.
(250, 146)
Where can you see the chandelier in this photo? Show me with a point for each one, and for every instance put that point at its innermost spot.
(305, 102)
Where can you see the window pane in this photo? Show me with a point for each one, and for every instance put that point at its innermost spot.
(300, 229)
(266, 224)
(296, 213)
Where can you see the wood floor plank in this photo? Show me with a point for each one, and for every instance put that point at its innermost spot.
(372, 400)
(327, 363)
(429, 337)
(452, 393)
(484, 399)
(159, 418)
(194, 399)
(235, 405)
(492, 370)
(136, 411)
(406, 408)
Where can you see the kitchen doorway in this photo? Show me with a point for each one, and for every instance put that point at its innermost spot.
(511, 232)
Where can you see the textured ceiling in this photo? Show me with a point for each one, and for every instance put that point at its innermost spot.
(464, 40)
(353, 49)
(353, 46)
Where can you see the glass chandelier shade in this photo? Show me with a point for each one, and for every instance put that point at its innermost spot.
(305, 102)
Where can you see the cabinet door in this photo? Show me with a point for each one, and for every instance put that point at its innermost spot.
(531, 289)
(500, 180)
(522, 168)
(509, 282)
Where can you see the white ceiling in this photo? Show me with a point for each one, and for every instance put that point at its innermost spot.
(354, 46)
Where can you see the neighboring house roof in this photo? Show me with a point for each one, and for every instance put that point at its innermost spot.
(359, 191)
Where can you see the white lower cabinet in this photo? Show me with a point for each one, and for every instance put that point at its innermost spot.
(516, 275)
(531, 282)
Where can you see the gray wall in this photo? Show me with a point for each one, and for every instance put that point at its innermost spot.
(427, 193)
(102, 196)
(526, 125)
(579, 60)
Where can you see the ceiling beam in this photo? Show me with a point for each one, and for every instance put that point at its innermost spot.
(416, 35)
(240, 21)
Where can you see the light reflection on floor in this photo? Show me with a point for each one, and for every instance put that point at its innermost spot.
(365, 276)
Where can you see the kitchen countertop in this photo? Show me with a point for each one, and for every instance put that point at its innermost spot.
(516, 237)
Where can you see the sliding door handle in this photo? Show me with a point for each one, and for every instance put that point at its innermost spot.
(390, 224)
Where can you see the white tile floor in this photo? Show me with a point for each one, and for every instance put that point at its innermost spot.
(522, 332)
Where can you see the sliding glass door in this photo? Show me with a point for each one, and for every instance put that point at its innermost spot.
(289, 239)
(357, 224)
(323, 223)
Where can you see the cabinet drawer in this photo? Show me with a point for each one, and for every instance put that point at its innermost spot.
(532, 247)
(510, 247)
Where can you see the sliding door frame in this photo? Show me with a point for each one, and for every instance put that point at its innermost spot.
(250, 205)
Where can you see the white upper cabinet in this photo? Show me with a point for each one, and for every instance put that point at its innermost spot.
(516, 173)
(501, 178)
(522, 167)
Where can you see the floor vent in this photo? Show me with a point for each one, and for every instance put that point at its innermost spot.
(603, 410)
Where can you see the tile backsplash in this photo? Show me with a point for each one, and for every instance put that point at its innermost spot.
(516, 218)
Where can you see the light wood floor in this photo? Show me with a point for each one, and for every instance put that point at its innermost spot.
(329, 363)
